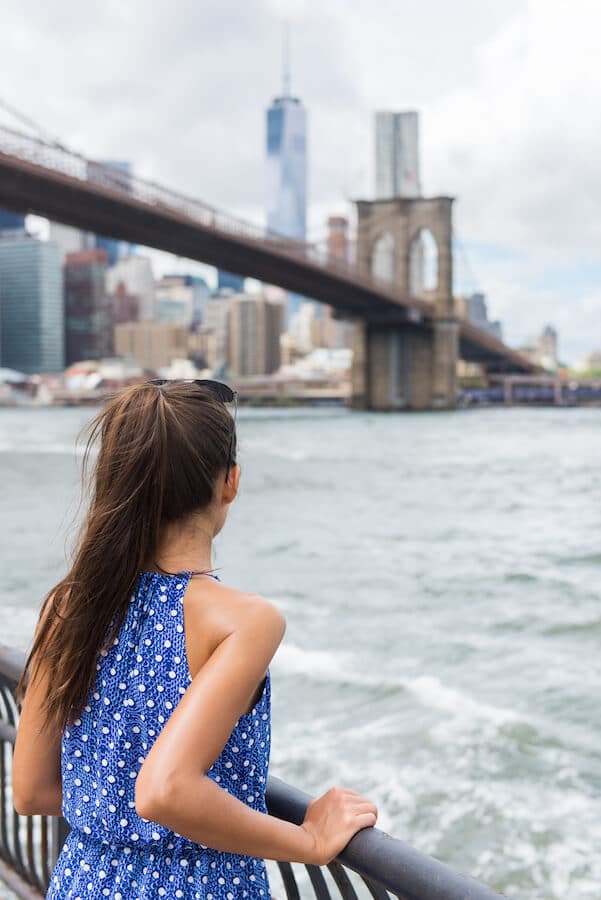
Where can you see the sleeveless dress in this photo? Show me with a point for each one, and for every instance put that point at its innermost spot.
(111, 852)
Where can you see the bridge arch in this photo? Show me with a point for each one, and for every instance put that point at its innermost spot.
(383, 258)
(423, 265)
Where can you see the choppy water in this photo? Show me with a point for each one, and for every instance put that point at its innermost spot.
(440, 578)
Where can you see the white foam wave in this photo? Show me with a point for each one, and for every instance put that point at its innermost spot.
(428, 690)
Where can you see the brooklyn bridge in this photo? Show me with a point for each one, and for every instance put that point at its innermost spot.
(405, 347)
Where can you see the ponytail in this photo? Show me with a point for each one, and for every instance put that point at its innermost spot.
(161, 452)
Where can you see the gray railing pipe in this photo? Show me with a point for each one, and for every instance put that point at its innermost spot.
(372, 853)
(385, 864)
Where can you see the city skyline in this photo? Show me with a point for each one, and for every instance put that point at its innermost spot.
(494, 114)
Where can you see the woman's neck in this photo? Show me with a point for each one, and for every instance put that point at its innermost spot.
(186, 547)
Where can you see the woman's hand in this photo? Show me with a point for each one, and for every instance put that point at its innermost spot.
(332, 819)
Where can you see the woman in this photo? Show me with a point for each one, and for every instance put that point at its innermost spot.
(146, 718)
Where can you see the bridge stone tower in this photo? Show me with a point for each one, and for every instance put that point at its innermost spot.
(400, 361)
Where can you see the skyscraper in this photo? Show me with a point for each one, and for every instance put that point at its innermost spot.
(287, 160)
(32, 331)
(135, 273)
(255, 326)
(397, 155)
(182, 300)
(287, 168)
(229, 281)
(11, 221)
(88, 307)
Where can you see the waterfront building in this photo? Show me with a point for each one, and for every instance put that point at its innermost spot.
(125, 307)
(303, 327)
(88, 307)
(255, 327)
(202, 349)
(230, 282)
(32, 326)
(543, 350)
(182, 300)
(548, 343)
(153, 344)
(118, 175)
(397, 155)
(589, 363)
(217, 322)
(136, 275)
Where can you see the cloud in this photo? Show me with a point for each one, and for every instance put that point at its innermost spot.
(508, 93)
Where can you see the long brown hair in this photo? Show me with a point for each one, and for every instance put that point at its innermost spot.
(161, 451)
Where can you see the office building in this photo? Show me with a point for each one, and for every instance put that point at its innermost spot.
(88, 307)
(125, 307)
(229, 282)
(397, 155)
(202, 349)
(136, 275)
(32, 327)
(182, 300)
(217, 316)
(118, 176)
(286, 175)
(11, 221)
(153, 344)
(255, 327)
(475, 309)
(287, 168)
(548, 343)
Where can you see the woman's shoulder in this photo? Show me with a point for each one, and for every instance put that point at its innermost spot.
(213, 610)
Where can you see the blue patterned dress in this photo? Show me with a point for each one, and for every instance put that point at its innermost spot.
(111, 852)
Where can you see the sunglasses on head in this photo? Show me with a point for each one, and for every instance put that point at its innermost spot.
(222, 391)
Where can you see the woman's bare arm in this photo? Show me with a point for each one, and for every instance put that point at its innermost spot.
(174, 790)
(36, 773)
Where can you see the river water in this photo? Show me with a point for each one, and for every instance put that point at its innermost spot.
(440, 575)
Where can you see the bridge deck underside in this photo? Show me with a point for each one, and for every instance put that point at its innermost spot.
(26, 187)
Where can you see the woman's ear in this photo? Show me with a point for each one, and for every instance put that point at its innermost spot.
(230, 487)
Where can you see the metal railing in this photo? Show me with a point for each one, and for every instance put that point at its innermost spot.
(385, 866)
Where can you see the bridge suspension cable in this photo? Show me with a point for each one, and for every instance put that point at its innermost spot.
(466, 281)
(31, 123)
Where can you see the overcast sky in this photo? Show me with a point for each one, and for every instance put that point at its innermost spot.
(509, 96)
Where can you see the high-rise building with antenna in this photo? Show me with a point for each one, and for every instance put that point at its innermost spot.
(287, 164)
(287, 161)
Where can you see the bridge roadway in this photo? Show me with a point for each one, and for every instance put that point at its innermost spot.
(51, 181)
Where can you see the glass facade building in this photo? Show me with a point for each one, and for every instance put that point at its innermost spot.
(287, 168)
(11, 221)
(287, 174)
(227, 281)
(88, 307)
(32, 325)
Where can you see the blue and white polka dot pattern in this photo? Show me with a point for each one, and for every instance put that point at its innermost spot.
(111, 851)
